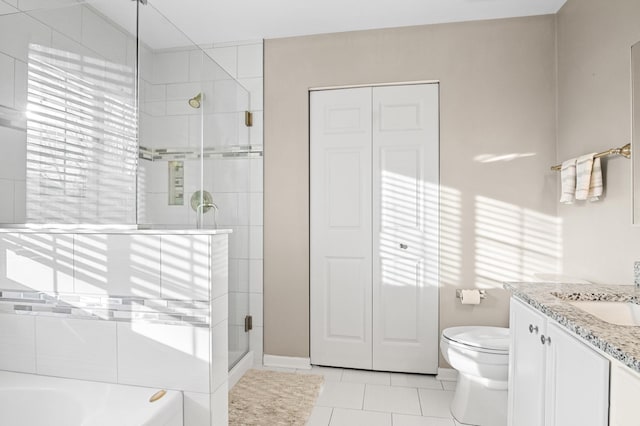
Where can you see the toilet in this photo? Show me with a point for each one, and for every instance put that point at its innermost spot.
(481, 356)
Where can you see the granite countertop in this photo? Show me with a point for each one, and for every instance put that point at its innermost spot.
(618, 341)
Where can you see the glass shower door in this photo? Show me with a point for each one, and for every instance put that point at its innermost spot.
(226, 180)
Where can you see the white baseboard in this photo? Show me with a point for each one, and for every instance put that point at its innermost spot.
(240, 368)
(447, 374)
(286, 362)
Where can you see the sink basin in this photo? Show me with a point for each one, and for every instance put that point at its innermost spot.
(619, 313)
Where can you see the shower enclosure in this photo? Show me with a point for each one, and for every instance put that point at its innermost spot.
(111, 116)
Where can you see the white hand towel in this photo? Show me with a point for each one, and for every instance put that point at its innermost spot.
(595, 187)
(568, 181)
(584, 165)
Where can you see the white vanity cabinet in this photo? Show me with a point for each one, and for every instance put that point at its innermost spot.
(554, 379)
(625, 388)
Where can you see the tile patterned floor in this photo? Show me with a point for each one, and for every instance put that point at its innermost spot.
(371, 398)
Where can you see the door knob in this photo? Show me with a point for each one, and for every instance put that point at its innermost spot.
(403, 246)
(532, 328)
(546, 340)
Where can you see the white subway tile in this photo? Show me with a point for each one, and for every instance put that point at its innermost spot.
(256, 183)
(168, 132)
(197, 409)
(222, 128)
(14, 153)
(238, 307)
(242, 284)
(159, 355)
(219, 355)
(66, 20)
(7, 80)
(256, 132)
(255, 242)
(159, 212)
(255, 303)
(255, 276)
(226, 57)
(24, 30)
(6, 8)
(7, 196)
(19, 201)
(80, 349)
(171, 67)
(219, 265)
(121, 265)
(20, 98)
(227, 203)
(184, 267)
(255, 88)
(103, 37)
(256, 206)
(182, 107)
(220, 405)
(256, 345)
(250, 61)
(17, 343)
(239, 243)
(219, 310)
(36, 262)
(183, 91)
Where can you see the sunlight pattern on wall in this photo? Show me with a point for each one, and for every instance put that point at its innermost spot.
(513, 243)
(81, 139)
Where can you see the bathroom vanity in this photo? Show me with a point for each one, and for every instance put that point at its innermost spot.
(575, 355)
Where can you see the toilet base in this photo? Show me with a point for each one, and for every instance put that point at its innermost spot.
(479, 402)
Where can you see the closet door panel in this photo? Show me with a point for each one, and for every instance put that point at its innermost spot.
(340, 188)
(405, 228)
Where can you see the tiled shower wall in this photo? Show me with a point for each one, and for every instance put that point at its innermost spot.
(234, 183)
(243, 61)
(78, 33)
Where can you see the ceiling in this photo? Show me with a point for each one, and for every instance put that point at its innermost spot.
(216, 21)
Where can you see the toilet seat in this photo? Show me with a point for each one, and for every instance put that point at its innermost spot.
(493, 340)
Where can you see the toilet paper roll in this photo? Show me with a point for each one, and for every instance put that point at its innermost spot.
(470, 297)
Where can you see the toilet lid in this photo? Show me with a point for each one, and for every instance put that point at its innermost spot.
(494, 338)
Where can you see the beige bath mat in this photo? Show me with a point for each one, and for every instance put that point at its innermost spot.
(270, 398)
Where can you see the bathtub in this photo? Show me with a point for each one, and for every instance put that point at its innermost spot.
(32, 400)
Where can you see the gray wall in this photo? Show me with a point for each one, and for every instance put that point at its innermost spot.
(594, 114)
(497, 86)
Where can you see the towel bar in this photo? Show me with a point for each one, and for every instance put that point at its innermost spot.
(625, 151)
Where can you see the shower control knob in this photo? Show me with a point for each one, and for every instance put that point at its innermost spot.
(533, 329)
(403, 246)
(545, 340)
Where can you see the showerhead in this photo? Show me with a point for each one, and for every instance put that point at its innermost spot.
(195, 101)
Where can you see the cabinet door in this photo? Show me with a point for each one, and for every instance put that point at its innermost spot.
(577, 382)
(405, 228)
(526, 367)
(625, 388)
(340, 256)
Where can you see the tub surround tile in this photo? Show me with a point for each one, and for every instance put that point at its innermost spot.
(618, 341)
(78, 349)
(17, 343)
(157, 355)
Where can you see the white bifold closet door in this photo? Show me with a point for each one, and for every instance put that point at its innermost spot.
(374, 228)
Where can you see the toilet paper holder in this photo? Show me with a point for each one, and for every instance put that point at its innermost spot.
(483, 293)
